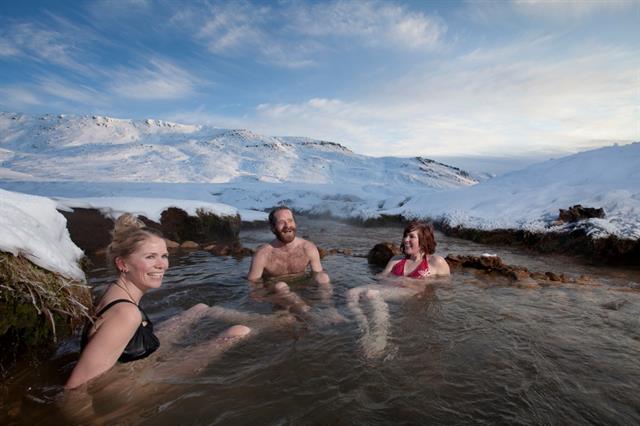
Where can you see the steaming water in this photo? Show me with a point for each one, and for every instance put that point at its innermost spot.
(471, 351)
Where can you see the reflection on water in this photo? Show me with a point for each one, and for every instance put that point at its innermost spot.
(474, 350)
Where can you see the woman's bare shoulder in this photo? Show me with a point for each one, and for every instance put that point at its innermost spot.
(439, 265)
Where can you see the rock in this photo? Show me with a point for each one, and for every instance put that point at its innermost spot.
(552, 276)
(539, 276)
(577, 213)
(381, 253)
(89, 229)
(171, 245)
(486, 263)
(615, 305)
(178, 225)
(189, 245)
(585, 280)
(520, 274)
(346, 252)
(243, 251)
(219, 249)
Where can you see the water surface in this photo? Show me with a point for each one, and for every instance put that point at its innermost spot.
(473, 350)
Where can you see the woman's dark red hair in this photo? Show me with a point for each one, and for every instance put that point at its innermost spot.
(426, 237)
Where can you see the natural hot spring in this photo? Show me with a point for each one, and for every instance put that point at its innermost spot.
(474, 350)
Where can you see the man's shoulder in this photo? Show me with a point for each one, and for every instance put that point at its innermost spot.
(306, 244)
(263, 249)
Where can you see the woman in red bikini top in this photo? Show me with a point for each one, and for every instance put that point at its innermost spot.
(419, 261)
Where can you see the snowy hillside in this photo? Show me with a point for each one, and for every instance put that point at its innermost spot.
(102, 149)
(97, 161)
(530, 198)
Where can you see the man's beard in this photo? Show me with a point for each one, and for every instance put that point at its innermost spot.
(286, 237)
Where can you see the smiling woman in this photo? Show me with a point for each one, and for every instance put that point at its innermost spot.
(411, 272)
(122, 331)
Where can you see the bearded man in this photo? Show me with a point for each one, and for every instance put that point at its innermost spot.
(287, 254)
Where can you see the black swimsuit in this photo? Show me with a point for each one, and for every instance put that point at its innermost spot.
(142, 344)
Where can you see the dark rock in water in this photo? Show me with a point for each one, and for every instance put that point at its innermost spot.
(615, 305)
(219, 249)
(233, 249)
(190, 245)
(171, 245)
(609, 250)
(485, 262)
(89, 229)
(243, 251)
(204, 227)
(381, 253)
(577, 213)
(552, 277)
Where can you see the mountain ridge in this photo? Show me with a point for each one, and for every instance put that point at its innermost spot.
(69, 147)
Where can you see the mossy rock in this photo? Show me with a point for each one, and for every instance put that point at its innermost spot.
(37, 307)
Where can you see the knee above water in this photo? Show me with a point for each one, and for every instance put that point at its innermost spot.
(372, 294)
(237, 331)
(281, 287)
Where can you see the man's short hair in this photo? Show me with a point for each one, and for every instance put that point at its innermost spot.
(272, 214)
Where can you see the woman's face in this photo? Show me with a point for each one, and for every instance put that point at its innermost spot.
(411, 243)
(146, 265)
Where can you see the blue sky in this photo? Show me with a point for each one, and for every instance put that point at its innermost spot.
(433, 78)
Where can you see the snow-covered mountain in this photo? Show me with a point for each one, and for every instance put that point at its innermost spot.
(107, 163)
(103, 149)
(530, 198)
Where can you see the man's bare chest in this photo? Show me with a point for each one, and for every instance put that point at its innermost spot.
(284, 263)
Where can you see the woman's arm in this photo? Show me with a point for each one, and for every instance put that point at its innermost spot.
(106, 345)
(439, 266)
(387, 269)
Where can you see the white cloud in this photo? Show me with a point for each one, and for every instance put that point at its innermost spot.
(12, 98)
(157, 80)
(71, 92)
(45, 45)
(559, 11)
(513, 100)
(7, 49)
(294, 34)
(373, 22)
(564, 9)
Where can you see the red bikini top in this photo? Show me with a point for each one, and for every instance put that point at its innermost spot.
(420, 272)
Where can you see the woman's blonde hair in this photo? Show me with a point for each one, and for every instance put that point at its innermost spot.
(128, 233)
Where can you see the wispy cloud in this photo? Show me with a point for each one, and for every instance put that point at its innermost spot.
(158, 79)
(67, 91)
(7, 48)
(478, 103)
(371, 22)
(41, 44)
(562, 9)
(294, 34)
(12, 97)
(559, 11)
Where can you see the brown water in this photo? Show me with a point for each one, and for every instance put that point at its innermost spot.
(474, 350)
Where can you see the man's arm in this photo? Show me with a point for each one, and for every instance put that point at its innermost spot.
(258, 263)
(319, 275)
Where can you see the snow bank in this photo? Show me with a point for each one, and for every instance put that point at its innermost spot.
(31, 226)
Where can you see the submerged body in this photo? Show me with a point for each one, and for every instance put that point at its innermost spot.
(418, 265)
(288, 255)
(121, 330)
